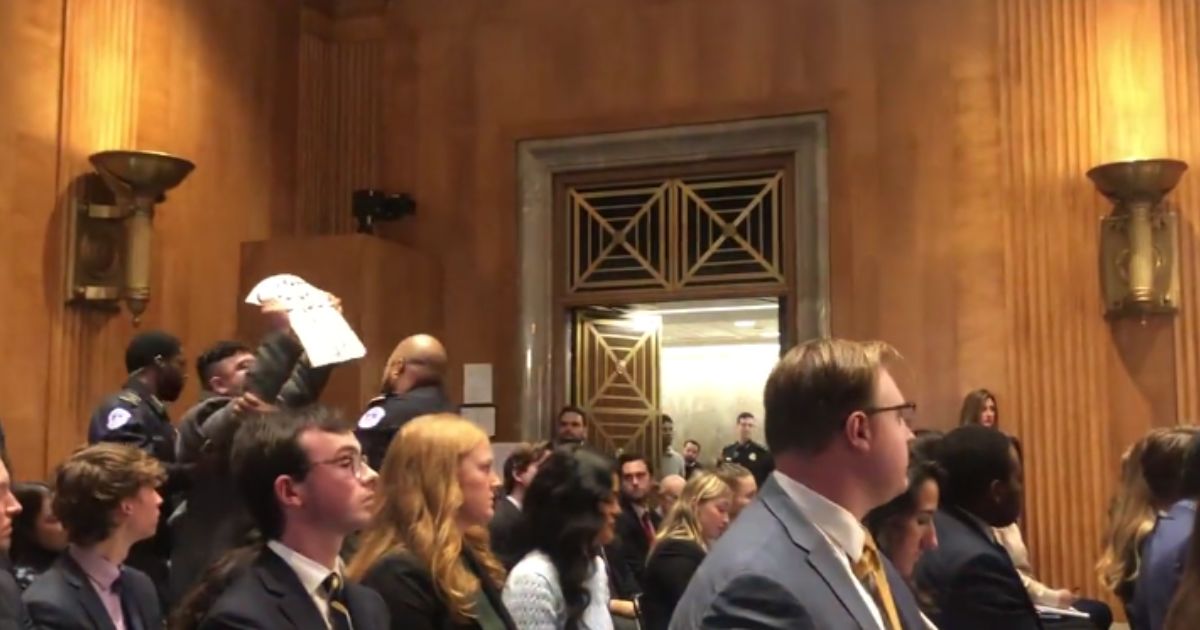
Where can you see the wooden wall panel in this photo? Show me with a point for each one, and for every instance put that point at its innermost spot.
(213, 82)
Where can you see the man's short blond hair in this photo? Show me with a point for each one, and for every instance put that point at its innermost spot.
(816, 386)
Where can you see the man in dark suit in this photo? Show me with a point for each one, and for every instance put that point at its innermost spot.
(411, 387)
(106, 497)
(519, 470)
(13, 614)
(305, 482)
(1165, 551)
(970, 577)
(638, 523)
(798, 557)
(234, 383)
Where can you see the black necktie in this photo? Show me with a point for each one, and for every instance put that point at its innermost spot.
(339, 613)
(129, 608)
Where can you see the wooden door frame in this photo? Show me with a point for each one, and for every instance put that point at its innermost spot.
(544, 331)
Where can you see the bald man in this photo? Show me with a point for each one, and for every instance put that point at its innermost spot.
(411, 387)
(669, 490)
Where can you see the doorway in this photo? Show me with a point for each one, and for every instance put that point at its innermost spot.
(701, 362)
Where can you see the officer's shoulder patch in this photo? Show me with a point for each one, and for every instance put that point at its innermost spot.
(118, 418)
(370, 419)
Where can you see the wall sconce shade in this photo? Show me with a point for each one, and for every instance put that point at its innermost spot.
(1138, 262)
(110, 229)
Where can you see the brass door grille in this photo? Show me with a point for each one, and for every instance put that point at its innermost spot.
(675, 233)
(617, 381)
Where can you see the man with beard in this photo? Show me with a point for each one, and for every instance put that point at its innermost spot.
(137, 415)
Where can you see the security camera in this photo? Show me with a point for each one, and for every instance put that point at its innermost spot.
(371, 206)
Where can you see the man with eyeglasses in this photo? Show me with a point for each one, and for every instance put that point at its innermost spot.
(747, 453)
(798, 556)
(411, 387)
(137, 415)
(303, 478)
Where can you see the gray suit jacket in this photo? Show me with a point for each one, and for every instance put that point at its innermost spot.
(774, 570)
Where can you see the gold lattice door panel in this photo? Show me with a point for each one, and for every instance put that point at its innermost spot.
(617, 380)
(675, 233)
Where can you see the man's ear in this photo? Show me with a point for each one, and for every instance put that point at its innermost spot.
(288, 492)
(857, 431)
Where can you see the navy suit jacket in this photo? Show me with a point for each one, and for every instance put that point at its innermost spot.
(63, 598)
(269, 596)
(1163, 555)
(972, 580)
(774, 570)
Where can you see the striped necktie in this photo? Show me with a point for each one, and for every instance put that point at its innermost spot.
(339, 614)
(869, 571)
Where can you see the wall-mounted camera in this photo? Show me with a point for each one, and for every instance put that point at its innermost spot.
(371, 206)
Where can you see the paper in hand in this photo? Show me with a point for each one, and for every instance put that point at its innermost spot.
(326, 335)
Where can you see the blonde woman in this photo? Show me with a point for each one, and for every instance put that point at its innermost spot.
(426, 550)
(698, 518)
(1132, 515)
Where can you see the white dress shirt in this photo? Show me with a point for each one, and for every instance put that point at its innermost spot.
(312, 575)
(841, 530)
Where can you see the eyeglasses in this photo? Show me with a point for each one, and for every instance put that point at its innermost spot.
(907, 411)
(355, 464)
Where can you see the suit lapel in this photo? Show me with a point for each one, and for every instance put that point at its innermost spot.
(489, 591)
(87, 593)
(821, 553)
(294, 602)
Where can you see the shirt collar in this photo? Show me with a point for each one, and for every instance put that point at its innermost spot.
(312, 574)
(98, 568)
(513, 500)
(833, 520)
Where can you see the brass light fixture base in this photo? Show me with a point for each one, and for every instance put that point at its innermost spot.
(109, 227)
(1138, 252)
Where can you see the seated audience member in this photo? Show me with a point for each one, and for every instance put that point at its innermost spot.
(638, 523)
(669, 490)
(1131, 518)
(1184, 612)
(234, 383)
(741, 481)
(1172, 470)
(570, 513)
(107, 498)
(426, 547)
(979, 407)
(1014, 543)
(519, 470)
(13, 615)
(798, 556)
(903, 527)
(691, 458)
(969, 579)
(689, 528)
(38, 537)
(303, 478)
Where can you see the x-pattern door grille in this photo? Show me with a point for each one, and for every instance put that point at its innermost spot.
(617, 381)
(674, 233)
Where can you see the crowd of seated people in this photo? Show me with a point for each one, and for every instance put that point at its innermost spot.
(275, 512)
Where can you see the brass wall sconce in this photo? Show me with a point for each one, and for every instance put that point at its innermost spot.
(110, 228)
(1139, 265)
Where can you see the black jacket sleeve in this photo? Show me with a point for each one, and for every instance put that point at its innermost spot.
(409, 593)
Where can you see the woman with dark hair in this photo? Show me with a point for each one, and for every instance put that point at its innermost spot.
(569, 515)
(979, 407)
(38, 536)
(903, 527)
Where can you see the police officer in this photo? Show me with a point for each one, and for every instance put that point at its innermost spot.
(746, 452)
(137, 415)
(411, 387)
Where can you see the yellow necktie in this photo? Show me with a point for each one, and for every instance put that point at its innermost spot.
(869, 571)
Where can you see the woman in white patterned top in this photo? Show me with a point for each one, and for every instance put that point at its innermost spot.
(568, 515)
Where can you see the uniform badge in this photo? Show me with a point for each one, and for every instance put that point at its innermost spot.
(753, 457)
(117, 418)
(371, 418)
